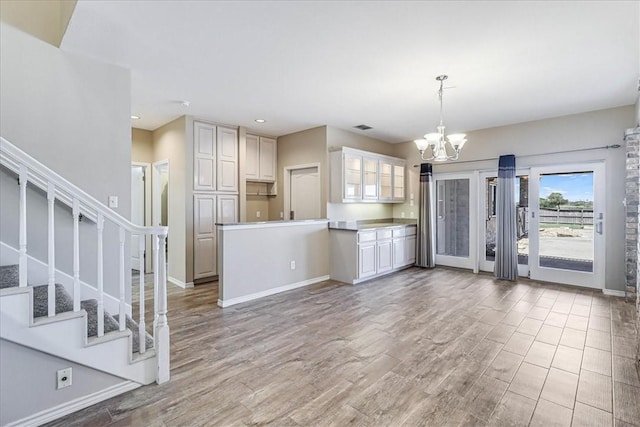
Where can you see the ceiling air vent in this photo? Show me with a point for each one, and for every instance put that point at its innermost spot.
(363, 127)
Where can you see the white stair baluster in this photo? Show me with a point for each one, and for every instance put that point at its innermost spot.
(76, 255)
(156, 272)
(100, 282)
(51, 199)
(141, 323)
(22, 262)
(122, 315)
(162, 325)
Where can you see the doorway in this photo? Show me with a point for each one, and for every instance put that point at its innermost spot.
(302, 192)
(567, 224)
(140, 211)
(455, 232)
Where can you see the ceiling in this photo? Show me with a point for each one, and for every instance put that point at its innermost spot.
(301, 64)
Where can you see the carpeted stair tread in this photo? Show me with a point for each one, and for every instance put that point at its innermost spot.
(64, 302)
(91, 307)
(133, 326)
(9, 276)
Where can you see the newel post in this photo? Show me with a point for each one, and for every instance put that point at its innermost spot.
(161, 332)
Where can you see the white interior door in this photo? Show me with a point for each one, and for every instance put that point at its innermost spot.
(305, 194)
(140, 211)
(567, 224)
(487, 185)
(455, 199)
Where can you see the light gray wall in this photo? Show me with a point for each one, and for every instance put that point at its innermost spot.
(71, 114)
(309, 146)
(29, 382)
(169, 143)
(254, 260)
(575, 132)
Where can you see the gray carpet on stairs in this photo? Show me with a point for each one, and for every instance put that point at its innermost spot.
(133, 326)
(9, 277)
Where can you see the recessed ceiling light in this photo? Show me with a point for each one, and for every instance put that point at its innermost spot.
(135, 117)
(260, 120)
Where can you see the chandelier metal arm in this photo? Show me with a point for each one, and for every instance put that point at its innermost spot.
(436, 141)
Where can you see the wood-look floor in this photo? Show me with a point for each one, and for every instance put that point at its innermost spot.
(419, 347)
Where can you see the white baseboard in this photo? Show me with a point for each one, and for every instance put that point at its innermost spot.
(613, 293)
(180, 283)
(75, 405)
(251, 297)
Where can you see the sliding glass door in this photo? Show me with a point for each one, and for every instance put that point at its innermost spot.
(455, 231)
(487, 185)
(567, 224)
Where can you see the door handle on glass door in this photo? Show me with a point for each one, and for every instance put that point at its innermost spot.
(599, 227)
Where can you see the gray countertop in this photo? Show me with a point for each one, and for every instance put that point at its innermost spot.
(371, 224)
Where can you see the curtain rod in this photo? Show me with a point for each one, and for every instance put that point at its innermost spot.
(605, 147)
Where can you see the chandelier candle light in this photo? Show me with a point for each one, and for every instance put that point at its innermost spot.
(436, 140)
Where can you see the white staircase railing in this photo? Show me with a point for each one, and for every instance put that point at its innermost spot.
(30, 171)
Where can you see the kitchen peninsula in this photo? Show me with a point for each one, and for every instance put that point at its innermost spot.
(257, 259)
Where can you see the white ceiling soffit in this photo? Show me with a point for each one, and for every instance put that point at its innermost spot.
(300, 64)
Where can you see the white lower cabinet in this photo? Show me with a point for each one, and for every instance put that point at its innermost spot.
(410, 249)
(385, 256)
(209, 209)
(358, 256)
(204, 236)
(366, 259)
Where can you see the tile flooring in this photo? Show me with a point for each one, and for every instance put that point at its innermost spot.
(420, 347)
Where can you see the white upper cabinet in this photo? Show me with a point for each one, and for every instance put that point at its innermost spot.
(369, 178)
(398, 181)
(204, 163)
(227, 159)
(252, 163)
(261, 159)
(361, 176)
(215, 162)
(268, 157)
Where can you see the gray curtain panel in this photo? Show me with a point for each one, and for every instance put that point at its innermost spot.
(426, 256)
(506, 264)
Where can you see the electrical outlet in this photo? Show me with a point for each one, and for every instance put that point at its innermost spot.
(411, 203)
(257, 214)
(281, 215)
(412, 214)
(401, 214)
(293, 265)
(64, 378)
(113, 201)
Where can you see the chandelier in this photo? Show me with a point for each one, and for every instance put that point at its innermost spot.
(436, 140)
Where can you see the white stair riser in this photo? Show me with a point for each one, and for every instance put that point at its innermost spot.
(68, 339)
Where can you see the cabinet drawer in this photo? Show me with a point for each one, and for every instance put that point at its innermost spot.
(366, 236)
(398, 232)
(411, 231)
(383, 234)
